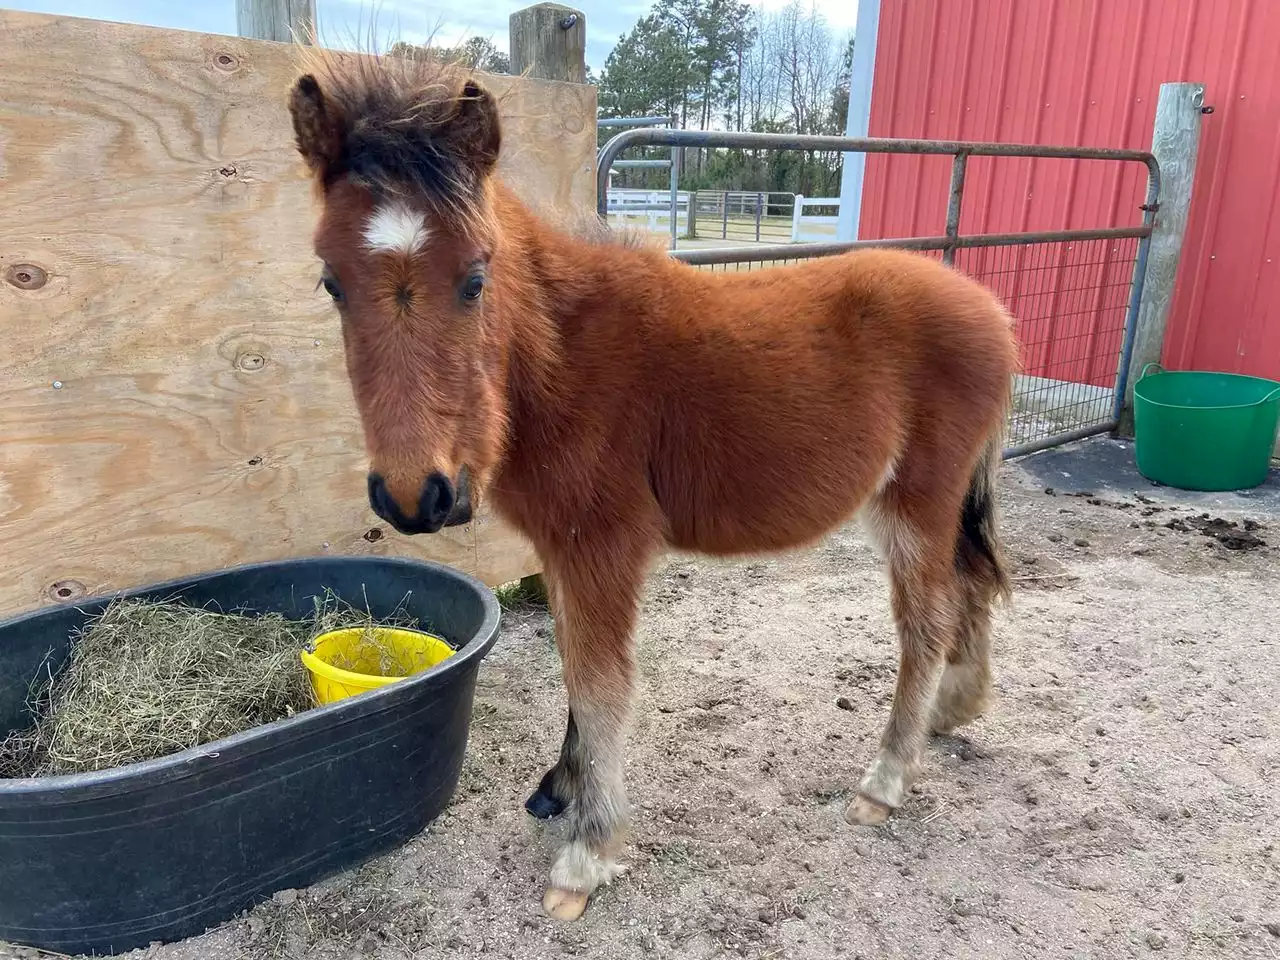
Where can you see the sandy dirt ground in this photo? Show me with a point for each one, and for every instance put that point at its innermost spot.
(1121, 799)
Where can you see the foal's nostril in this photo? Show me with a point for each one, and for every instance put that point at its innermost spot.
(380, 500)
(436, 501)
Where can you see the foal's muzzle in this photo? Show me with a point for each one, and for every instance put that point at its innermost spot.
(441, 503)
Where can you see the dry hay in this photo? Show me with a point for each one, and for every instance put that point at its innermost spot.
(146, 679)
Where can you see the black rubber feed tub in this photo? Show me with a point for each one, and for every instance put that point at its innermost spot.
(111, 861)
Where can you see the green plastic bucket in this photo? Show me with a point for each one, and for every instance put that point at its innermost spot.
(1204, 431)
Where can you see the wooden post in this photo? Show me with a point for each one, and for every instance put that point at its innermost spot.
(549, 42)
(280, 20)
(1175, 143)
(691, 228)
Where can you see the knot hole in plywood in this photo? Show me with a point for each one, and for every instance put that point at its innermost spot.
(65, 591)
(26, 276)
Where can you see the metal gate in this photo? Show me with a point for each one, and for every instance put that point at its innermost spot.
(1074, 293)
(672, 164)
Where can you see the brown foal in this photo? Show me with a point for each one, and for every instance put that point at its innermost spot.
(611, 402)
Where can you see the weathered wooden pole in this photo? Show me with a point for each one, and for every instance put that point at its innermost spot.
(280, 20)
(549, 42)
(1175, 143)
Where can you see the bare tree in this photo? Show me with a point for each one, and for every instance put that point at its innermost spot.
(713, 61)
(808, 64)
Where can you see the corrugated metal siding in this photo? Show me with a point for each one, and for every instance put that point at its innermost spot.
(1088, 72)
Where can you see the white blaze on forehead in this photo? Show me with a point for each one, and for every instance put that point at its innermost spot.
(395, 228)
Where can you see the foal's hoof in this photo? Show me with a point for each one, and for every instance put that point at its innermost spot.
(544, 805)
(865, 812)
(564, 904)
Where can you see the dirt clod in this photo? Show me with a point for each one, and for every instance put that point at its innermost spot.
(1231, 535)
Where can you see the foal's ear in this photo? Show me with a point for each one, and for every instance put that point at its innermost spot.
(475, 129)
(316, 126)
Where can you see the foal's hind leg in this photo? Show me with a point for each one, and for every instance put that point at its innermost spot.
(559, 784)
(595, 594)
(919, 546)
(966, 683)
(965, 689)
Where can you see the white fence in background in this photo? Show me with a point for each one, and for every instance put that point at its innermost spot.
(729, 214)
(653, 206)
(810, 227)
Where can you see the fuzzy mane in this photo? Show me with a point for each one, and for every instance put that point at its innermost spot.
(409, 127)
(588, 227)
(419, 128)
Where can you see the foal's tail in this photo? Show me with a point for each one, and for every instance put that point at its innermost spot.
(979, 553)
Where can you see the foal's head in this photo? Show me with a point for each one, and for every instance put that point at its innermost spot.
(402, 153)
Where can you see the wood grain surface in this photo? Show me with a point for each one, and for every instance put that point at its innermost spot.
(172, 391)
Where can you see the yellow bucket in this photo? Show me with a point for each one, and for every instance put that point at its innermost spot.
(350, 661)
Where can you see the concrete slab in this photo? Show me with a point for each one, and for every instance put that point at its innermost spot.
(1106, 466)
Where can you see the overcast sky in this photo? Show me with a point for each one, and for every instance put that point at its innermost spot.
(411, 20)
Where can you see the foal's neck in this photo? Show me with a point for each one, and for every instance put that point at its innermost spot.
(566, 279)
(565, 291)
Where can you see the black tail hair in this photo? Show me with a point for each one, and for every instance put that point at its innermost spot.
(979, 553)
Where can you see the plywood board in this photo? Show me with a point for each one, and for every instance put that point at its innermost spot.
(172, 396)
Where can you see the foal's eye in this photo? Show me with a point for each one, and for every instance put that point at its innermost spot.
(331, 287)
(473, 287)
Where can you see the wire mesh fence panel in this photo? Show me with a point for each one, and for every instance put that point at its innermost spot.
(1070, 302)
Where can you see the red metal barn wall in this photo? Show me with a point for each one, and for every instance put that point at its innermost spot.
(1088, 72)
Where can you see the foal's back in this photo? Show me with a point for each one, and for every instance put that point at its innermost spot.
(785, 391)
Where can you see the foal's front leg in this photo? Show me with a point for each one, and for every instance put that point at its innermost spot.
(594, 595)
